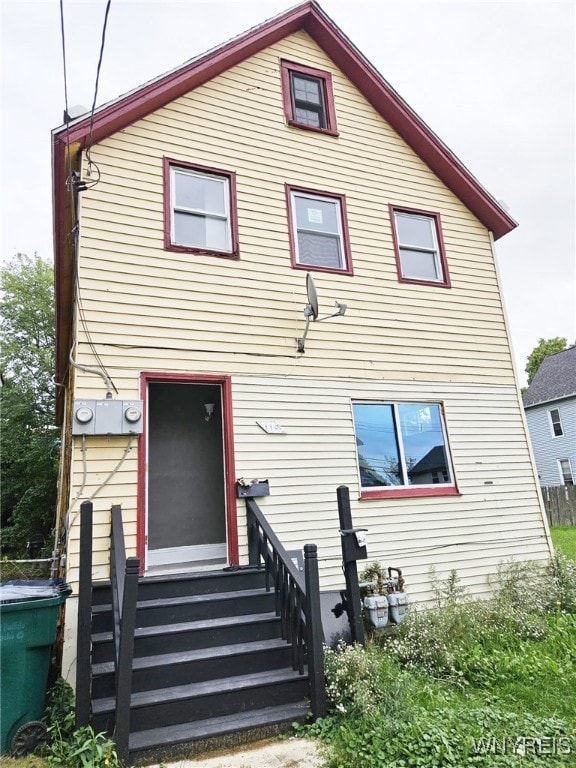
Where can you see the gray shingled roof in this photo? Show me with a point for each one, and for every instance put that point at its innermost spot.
(556, 378)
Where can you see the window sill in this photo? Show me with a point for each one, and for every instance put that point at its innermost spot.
(327, 131)
(314, 268)
(201, 251)
(401, 493)
(415, 281)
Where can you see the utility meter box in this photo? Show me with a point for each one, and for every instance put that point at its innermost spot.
(377, 609)
(107, 417)
(399, 607)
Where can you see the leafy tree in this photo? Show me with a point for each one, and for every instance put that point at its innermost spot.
(28, 439)
(544, 348)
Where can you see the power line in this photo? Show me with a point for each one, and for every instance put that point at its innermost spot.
(100, 57)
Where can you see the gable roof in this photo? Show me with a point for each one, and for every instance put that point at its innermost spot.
(69, 140)
(311, 18)
(554, 380)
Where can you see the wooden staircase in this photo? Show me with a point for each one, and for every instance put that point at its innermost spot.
(210, 665)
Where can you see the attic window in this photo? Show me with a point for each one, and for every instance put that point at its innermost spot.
(199, 209)
(419, 248)
(308, 98)
(402, 450)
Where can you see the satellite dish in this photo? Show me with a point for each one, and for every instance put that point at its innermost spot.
(312, 308)
(311, 311)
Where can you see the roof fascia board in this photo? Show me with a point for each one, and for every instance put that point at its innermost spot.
(310, 17)
(551, 400)
(392, 107)
(167, 88)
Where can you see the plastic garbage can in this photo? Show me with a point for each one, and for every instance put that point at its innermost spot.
(28, 625)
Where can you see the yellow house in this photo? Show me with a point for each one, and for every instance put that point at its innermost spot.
(193, 353)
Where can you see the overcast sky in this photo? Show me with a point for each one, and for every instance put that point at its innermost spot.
(494, 80)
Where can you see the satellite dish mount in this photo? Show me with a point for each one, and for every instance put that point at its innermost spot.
(311, 311)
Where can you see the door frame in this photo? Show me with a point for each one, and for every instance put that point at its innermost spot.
(225, 382)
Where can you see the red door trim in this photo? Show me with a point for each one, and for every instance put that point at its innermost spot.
(229, 467)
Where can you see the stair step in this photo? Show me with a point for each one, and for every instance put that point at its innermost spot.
(192, 635)
(184, 703)
(175, 585)
(195, 666)
(170, 741)
(150, 612)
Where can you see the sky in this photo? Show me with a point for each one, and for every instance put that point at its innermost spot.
(495, 80)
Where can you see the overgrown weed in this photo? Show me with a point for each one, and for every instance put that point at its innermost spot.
(466, 683)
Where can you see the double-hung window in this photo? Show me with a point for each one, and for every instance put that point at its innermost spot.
(318, 230)
(200, 210)
(565, 468)
(556, 422)
(419, 248)
(308, 98)
(402, 446)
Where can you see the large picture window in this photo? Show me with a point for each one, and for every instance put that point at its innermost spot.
(401, 445)
(200, 210)
(318, 231)
(420, 256)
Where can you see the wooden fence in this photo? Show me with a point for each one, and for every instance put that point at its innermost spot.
(560, 503)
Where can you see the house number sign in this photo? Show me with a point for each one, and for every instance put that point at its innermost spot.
(271, 427)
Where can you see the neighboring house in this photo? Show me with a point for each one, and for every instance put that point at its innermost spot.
(550, 406)
(188, 214)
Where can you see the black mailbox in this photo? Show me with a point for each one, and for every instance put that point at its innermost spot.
(252, 489)
(352, 549)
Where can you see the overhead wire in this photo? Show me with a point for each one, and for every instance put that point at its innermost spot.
(92, 111)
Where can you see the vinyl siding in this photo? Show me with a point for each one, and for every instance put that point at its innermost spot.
(148, 309)
(547, 448)
(133, 287)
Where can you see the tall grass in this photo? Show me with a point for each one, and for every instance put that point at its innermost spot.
(564, 540)
(468, 683)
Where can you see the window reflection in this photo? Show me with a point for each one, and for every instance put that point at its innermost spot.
(400, 444)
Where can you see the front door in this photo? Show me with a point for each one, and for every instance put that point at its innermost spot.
(186, 498)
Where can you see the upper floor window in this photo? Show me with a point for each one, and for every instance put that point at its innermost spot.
(308, 98)
(555, 422)
(200, 210)
(566, 471)
(318, 230)
(400, 446)
(419, 248)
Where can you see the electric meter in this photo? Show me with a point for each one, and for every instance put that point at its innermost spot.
(84, 414)
(132, 414)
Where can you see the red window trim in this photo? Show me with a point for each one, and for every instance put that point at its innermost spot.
(442, 251)
(412, 492)
(153, 377)
(286, 67)
(169, 163)
(348, 269)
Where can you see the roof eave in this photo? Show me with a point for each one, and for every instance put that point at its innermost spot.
(311, 18)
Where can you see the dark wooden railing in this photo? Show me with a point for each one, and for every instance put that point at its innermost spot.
(124, 582)
(297, 600)
(83, 642)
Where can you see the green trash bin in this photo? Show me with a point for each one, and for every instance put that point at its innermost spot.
(28, 625)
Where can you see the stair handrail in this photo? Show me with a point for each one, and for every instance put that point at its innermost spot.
(83, 630)
(124, 573)
(297, 600)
